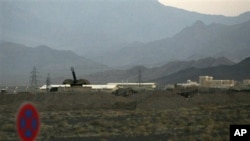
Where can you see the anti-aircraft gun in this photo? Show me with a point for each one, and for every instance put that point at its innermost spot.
(75, 82)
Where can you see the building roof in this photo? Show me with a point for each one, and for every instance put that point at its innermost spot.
(100, 86)
(131, 84)
(54, 86)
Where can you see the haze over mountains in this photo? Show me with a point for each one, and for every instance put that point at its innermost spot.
(17, 61)
(117, 34)
(194, 42)
(148, 74)
(239, 71)
(92, 27)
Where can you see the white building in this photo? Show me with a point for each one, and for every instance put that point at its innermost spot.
(101, 87)
(189, 83)
(208, 81)
(204, 79)
(44, 87)
(97, 87)
(134, 85)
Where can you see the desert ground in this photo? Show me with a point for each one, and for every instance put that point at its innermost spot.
(150, 116)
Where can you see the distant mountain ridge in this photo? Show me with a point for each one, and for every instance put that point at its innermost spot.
(239, 72)
(194, 42)
(147, 74)
(92, 27)
(17, 61)
(119, 34)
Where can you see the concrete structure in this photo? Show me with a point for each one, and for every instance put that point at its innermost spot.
(148, 86)
(3, 91)
(110, 87)
(209, 82)
(204, 79)
(170, 87)
(55, 87)
(44, 87)
(189, 83)
(107, 87)
(246, 82)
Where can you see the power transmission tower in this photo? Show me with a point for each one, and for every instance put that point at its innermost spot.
(33, 78)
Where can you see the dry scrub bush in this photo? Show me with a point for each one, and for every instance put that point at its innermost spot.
(96, 123)
(8, 127)
(63, 124)
(79, 129)
(3, 136)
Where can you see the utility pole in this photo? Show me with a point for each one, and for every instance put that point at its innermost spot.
(139, 77)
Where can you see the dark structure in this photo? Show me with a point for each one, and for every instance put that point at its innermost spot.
(75, 82)
(139, 81)
(33, 78)
(48, 83)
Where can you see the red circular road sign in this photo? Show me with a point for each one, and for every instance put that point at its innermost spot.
(28, 122)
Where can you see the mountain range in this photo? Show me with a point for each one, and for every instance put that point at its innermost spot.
(17, 61)
(93, 28)
(239, 72)
(194, 42)
(147, 74)
(131, 35)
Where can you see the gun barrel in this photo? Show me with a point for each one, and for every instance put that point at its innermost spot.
(74, 75)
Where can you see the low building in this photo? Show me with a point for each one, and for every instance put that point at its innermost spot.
(246, 82)
(170, 87)
(110, 87)
(204, 79)
(3, 91)
(189, 83)
(54, 87)
(107, 87)
(148, 86)
(209, 82)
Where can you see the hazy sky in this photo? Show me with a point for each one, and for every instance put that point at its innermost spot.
(218, 7)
